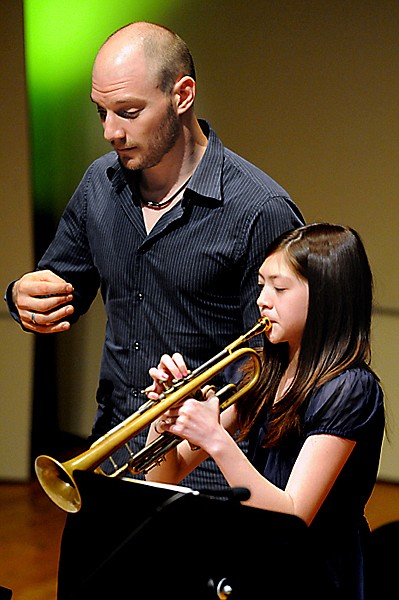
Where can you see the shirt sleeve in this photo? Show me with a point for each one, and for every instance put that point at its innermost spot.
(346, 406)
(69, 253)
(10, 303)
(268, 219)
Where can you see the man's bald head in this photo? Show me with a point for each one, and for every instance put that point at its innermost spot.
(166, 54)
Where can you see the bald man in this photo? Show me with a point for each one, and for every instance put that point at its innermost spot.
(170, 226)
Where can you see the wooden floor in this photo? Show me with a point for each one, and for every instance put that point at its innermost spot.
(30, 533)
(31, 528)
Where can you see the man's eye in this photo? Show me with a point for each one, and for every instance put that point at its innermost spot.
(128, 115)
(124, 114)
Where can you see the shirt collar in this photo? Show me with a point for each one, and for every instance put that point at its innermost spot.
(206, 181)
(207, 178)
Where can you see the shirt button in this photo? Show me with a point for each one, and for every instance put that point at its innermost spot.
(140, 296)
(136, 345)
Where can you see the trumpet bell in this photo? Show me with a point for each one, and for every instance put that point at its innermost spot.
(59, 484)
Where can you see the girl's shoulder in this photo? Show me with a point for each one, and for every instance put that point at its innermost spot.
(346, 403)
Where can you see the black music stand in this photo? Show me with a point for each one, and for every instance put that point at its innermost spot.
(5, 593)
(131, 540)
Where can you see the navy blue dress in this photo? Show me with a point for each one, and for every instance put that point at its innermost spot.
(349, 406)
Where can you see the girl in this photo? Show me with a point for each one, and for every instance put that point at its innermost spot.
(315, 421)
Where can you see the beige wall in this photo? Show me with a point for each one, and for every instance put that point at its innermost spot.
(16, 255)
(307, 91)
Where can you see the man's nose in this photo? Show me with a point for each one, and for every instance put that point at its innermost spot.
(113, 129)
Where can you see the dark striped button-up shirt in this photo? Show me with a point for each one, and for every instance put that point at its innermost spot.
(190, 285)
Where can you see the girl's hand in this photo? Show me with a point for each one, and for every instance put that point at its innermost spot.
(168, 369)
(197, 421)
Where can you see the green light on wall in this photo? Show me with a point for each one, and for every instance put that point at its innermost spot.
(61, 40)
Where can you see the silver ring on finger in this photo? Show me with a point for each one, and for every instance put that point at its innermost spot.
(32, 318)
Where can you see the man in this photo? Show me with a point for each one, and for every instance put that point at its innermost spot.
(170, 225)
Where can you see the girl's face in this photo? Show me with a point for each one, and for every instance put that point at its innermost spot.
(284, 300)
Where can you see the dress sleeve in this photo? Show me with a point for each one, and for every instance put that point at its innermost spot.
(347, 406)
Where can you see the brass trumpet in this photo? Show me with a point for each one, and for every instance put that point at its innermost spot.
(57, 479)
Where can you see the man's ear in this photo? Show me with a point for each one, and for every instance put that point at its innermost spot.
(184, 94)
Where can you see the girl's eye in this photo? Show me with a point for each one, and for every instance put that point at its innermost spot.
(278, 289)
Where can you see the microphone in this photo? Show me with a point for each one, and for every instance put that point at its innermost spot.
(238, 494)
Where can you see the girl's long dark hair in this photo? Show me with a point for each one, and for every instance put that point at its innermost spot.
(333, 260)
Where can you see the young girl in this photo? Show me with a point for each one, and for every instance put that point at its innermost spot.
(315, 421)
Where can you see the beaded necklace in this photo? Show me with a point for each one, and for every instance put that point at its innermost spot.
(152, 204)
